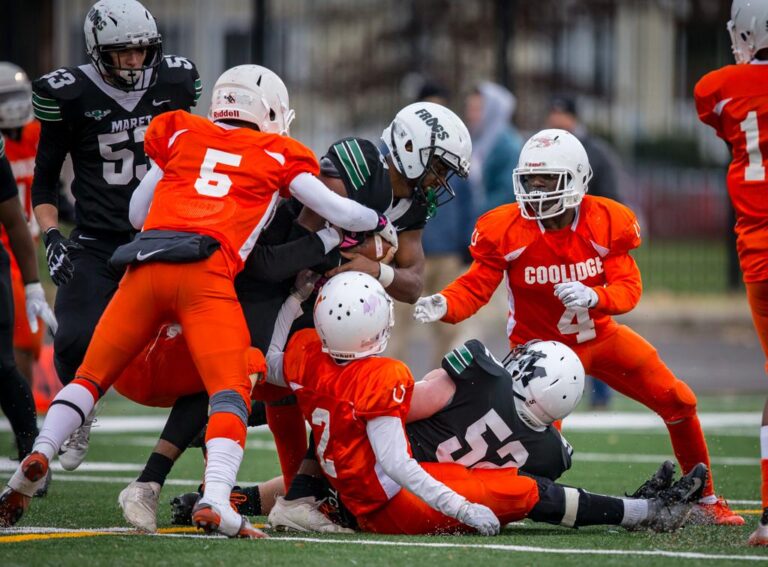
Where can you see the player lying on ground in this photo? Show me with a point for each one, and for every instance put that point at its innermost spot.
(568, 269)
(220, 178)
(357, 403)
(408, 185)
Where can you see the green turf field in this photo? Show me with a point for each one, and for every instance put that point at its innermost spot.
(611, 457)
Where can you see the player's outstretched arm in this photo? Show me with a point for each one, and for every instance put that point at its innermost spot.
(390, 446)
(623, 285)
(142, 197)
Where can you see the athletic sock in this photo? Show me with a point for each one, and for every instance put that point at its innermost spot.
(252, 505)
(224, 458)
(596, 509)
(305, 485)
(635, 511)
(18, 405)
(764, 464)
(156, 470)
(690, 447)
(68, 410)
(290, 432)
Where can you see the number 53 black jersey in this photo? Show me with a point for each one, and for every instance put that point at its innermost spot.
(480, 426)
(102, 127)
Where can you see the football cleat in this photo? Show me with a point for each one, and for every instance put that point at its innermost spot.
(688, 488)
(716, 514)
(759, 537)
(303, 515)
(28, 478)
(661, 480)
(75, 448)
(213, 518)
(181, 508)
(43, 490)
(138, 501)
(666, 517)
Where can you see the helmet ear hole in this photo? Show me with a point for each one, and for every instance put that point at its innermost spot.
(409, 146)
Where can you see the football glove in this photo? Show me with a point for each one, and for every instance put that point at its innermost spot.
(57, 249)
(430, 309)
(387, 230)
(304, 285)
(37, 306)
(479, 517)
(576, 294)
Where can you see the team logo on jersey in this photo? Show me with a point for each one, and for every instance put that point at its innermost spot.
(398, 394)
(97, 114)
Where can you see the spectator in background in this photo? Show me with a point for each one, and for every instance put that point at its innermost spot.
(445, 242)
(496, 145)
(606, 181)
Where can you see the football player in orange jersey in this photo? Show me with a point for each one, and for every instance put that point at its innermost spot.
(357, 404)
(214, 187)
(21, 133)
(565, 259)
(734, 101)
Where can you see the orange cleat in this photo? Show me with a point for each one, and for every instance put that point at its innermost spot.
(211, 520)
(28, 478)
(717, 514)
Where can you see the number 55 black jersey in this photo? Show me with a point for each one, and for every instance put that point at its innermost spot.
(480, 426)
(102, 127)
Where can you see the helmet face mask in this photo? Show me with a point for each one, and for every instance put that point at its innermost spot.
(15, 97)
(112, 29)
(552, 174)
(429, 144)
(547, 381)
(353, 316)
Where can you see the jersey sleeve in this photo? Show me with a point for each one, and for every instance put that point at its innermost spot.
(293, 360)
(485, 246)
(183, 73)
(159, 134)
(389, 386)
(358, 163)
(626, 232)
(706, 96)
(472, 362)
(298, 159)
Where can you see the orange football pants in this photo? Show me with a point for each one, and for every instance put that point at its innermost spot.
(23, 338)
(631, 365)
(201, 297)
(757, 296)
(510, 496)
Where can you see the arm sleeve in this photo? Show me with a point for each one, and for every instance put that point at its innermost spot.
(277, 262)
(51, 151)
(141, 198)
(387, 439)
(275, 354)
(344, 213)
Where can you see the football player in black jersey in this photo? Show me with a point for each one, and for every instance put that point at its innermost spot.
(98, 113)
(15, 395)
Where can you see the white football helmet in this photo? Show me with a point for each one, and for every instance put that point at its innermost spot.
(353, 316)
(115, 25)
(551, 152)
(547, 381)
(748, 28)
(15, 97)
(254, 94)
(428, 138)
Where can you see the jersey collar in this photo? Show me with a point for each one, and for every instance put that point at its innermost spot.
(127, 99)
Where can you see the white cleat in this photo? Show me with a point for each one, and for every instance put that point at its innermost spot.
(303, 515)
(75, 448)
(759, 537)
(139, 503)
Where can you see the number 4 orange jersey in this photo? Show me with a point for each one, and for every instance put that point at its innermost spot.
(218, 180)
(594, 250)
(734, 101)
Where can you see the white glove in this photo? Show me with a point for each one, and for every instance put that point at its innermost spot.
(576, 294)
(430, 309)
(37, 306)
(304, 284)
(479, 517)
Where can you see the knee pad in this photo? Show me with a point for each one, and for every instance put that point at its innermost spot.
(678, 403)
(229, 401)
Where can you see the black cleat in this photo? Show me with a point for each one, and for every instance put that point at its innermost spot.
(661, 480)
(688, 488)
(181, 508)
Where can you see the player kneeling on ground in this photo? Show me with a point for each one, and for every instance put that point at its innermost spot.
(357, 404)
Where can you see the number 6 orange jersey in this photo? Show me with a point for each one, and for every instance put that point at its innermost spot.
(594, 250)
(734, 101)
(218, 180)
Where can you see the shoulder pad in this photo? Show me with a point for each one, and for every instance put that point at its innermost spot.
(623, 230)
(361, 168)
(178, 70)
(472, 361)
(52, 90)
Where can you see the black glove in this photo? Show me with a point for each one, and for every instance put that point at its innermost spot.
(57, 249)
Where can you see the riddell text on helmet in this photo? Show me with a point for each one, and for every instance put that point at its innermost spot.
(564, 272)
(226, 114)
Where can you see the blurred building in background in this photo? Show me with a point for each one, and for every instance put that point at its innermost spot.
(351, 64)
